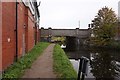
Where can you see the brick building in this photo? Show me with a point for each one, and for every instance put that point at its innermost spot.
(20, 29)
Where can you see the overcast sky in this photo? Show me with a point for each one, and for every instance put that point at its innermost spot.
(67, 13)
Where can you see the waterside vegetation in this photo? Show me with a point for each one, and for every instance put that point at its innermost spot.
(62, 65)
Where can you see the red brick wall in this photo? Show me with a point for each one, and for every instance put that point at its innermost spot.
(26, 33)
(31, 25)
(0, 36)
(35, 34)
(38, 37)
(21, 29)
(39, 34)
(26, 29)
(8, 34)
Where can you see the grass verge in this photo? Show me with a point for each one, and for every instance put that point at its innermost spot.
(17, 69)
(62, 66)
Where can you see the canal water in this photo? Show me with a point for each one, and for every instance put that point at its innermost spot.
(103, 64)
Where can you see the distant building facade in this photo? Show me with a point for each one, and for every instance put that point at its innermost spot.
(20, 29)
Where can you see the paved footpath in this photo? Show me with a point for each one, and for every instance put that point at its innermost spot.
(43, 66)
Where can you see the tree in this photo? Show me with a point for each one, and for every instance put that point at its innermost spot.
(104, 26)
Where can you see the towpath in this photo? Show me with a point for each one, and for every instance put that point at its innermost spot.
(43, 66)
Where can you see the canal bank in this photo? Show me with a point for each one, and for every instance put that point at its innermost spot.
(62, 66)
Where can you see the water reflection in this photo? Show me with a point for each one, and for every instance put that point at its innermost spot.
(77, 53)
(104, 64)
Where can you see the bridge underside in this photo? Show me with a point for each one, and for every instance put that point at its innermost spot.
(74, 43)
(71, 42)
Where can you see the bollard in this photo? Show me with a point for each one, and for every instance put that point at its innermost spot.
(83, 68)
(80, 68)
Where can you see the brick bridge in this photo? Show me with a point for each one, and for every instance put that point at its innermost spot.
(72, 35)
(80, 33)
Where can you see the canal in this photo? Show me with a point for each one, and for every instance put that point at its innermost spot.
(104, 64)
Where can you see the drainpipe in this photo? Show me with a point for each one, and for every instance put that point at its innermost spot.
(16, 55)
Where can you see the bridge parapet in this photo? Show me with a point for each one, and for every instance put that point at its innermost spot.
(80, 33)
